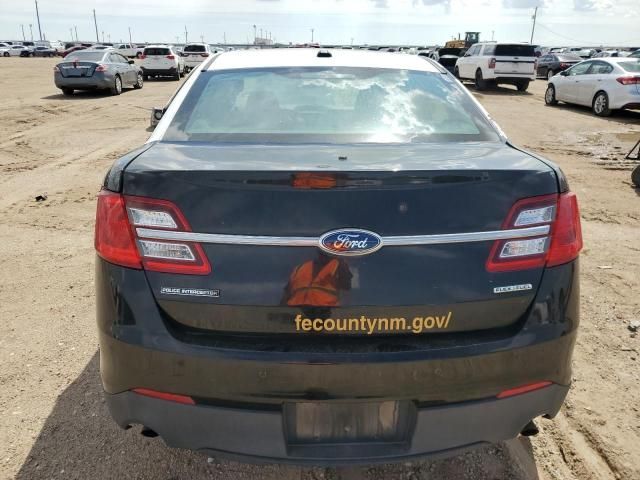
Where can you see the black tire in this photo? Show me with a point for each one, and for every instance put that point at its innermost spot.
(116, 89)
(522, 85)
(456, 73)
(176, 76)
(183, 73)
(481, 83)
(6, 54)
(635, 176)
(550, 95)
(600, 104)
(145, 77)
(550, 73)
(140, 82)
(67, 91)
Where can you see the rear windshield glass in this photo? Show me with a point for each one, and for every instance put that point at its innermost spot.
(633, 66)
(156, 51)
(195, 48)
(515, 51)
(327, 105)
(81, 56)
(569, 58)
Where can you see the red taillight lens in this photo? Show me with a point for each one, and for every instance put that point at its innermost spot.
(142, 57)
(566, 237)
(119, 214)
(171, 397)
(492, 63)
(565, 65)
(114, 240)
(171, 57)
(101, 68)
(523, 389)
(628, 80)
(561, 245)
(56, 69)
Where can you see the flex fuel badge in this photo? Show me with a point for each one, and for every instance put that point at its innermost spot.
(190, 292)
(513, 288)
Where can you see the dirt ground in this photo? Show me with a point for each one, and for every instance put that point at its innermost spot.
(53, 421)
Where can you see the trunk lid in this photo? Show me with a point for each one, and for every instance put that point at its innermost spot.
(515, 58)
(77, 69)
(389, 190)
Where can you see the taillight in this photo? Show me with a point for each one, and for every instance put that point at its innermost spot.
(56, 69)
(628, 80)
(136, 213)
(171, 57)
(561, 244)
(204, 54)
(101, 68)
(114, 239)
(565, 65)
(531, 387)
(143, 56)
(492, 63)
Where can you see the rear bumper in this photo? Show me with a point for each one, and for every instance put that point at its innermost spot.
(240, 392)
(96, 81)
(513, 78)
(159, 71)
(259, 435)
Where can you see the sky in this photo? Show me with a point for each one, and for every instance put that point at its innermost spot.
(373, 22)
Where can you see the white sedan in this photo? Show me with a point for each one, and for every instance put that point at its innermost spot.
(604, 84)
(19, 51)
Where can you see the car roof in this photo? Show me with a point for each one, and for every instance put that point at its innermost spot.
(308, 57)
(158, 46)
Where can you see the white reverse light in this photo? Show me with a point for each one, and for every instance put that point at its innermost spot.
(151, 218)
(167, 251)
(535, 216)
(521, 248)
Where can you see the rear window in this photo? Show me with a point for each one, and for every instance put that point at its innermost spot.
(328, 105)
(515, 51)
(195, 48)
(156, 51)
(569, 58)
(81, 56)
(633, 66)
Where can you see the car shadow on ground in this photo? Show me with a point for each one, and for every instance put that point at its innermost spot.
(79, 440)
(85, 94)
(498, 90)
(625, 117)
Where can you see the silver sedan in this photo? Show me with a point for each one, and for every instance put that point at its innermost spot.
(97, 70)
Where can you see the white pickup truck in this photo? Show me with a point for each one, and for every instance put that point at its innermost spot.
(129, 50)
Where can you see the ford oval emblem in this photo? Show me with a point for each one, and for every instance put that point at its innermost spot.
(350, 242)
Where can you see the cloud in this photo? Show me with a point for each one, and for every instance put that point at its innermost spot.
(380, 3)
(523, 3)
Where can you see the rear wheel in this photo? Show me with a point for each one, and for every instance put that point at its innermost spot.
(600, 105)
(550, 73)
(6, 54)
(139, 81)
(522, 85)
(117, 86)
(635, 176)
(550, 95)
(67, 91)
(456, 73)
(481, 83)
(177, 75)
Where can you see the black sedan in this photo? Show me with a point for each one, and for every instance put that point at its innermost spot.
(333, 257)
(552, 63)
(96, 70)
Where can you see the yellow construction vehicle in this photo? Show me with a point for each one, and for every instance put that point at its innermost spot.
(469, 39)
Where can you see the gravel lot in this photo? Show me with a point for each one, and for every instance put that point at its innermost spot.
(53, 421)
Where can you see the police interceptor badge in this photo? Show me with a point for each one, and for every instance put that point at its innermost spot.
(190, 292)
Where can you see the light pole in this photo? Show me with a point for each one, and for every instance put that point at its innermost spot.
(38, 17)
(76, 29)
(102, 36)
(130, 41)
(31, 30)
(95, 22)
(71, 32)
(255, 34)
(186, 35)
(23, 37)
(312, 30)
(533, 27)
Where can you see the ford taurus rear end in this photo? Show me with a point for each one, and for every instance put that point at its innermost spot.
(333, 257)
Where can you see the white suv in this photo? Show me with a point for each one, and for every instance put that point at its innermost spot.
(161, 61)
(194, 54)
(494, 63)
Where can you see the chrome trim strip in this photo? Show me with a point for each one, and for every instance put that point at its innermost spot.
(396, 241)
